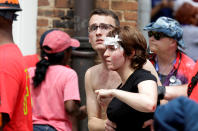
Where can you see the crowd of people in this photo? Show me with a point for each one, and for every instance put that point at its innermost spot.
(130, 89)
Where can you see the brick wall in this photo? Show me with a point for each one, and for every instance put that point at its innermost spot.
(51, 13)
(125, 9)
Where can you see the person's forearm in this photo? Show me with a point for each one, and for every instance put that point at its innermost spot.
(138, 101)
(96, 124)
(175, 91)
(74, 122)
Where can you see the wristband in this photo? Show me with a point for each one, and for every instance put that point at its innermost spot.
(161, 90)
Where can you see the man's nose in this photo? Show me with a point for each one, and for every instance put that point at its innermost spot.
(98, 31)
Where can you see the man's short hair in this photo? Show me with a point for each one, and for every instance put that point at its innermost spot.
(106, 12)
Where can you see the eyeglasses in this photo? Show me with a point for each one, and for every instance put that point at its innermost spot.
(102, 26)
(157, 35)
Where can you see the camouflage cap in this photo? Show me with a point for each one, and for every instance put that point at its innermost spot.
(169, 27)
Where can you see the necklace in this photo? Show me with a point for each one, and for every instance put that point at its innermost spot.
(166, 69)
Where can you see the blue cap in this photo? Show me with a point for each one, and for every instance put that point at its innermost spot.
(179, 114)
(169, 27)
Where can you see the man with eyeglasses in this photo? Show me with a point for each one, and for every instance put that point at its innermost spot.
(173, 66)
(99, 77)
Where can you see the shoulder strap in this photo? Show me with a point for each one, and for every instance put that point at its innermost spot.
(192, 84)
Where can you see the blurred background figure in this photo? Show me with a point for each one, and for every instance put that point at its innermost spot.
(161, 8)
(186, 12)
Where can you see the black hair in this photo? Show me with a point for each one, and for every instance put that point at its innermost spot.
(47, 59)
(44, 63)
(106, 12)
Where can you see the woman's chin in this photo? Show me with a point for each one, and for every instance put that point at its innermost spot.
(111, 68)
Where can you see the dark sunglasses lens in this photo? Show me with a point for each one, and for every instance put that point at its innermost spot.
(150, 33)
(157, 36)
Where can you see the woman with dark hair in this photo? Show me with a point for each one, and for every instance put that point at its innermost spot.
(54, 87)
(135, 100)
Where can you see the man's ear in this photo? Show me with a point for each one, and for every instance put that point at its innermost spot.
(89, 38)
(173, 42)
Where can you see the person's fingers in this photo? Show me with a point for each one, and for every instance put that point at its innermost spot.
(147, 123)
(97, 91)
(98, 98)
(109, 128)
(111, 124)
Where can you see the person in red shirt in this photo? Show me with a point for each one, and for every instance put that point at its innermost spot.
(166, 44)
(193, 86)
(180, 113)
(14, 83)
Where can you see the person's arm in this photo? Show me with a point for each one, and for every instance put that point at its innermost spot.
(7, 108)
(73, 109)
(74, 122)
(175, 91)
(5, 119)
(0, 122)
(76, 112)
(95, 121)
(144, 101)
(72, 99)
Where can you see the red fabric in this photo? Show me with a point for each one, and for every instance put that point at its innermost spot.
(186, 66)
(14, 87)
(31, 60)
(194, 94)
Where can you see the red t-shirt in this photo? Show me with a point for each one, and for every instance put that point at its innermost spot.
(194, 94)
(31, 60)
(14, 89)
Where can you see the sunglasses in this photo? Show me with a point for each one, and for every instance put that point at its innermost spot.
(157, 35)
(102, 26)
